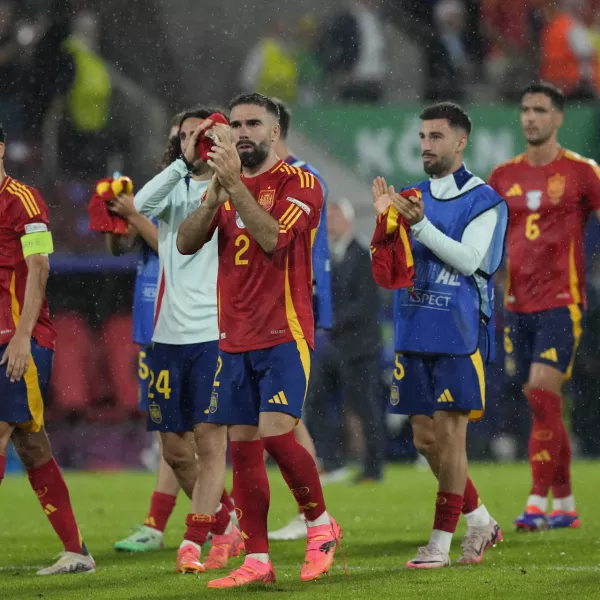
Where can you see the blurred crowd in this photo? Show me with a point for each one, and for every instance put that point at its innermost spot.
(468, 49)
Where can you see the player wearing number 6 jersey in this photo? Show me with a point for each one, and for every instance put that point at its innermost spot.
(181, 363)
(264, 222)
(550, 193)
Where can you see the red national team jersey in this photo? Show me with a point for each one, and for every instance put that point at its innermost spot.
(266, 299)
(548, 210)
(22, 210)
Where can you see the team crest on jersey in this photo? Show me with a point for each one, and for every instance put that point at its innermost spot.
(534, 199)
(556, 187)
(395, 395)
(238, 221)
(155, 413)
(266, 199)
(214, 403)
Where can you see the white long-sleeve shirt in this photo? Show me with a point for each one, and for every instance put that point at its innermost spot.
(186, 302)
(473, 251)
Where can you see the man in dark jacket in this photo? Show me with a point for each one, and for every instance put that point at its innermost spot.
(350, 361)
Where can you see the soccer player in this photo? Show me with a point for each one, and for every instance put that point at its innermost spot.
(442, 327)
(550, 193)
(144, 236)
(182, 361)
(265, 220)
(322, 302)
(27, 340)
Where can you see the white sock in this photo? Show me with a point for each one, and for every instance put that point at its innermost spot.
(443, 539)
(480, 517)
(322, 520)
(567, 503)
(538, 501)
(153, 530)
(263, 557)
(187, 543)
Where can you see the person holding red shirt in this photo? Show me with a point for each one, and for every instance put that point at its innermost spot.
(265, 218)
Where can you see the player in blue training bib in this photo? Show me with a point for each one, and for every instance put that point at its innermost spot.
(443, 325)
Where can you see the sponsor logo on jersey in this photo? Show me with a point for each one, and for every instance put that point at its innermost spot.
(266, 199)
(238, 221)
(534, 199)
(556, 187)
(303, 206)
(35, 227)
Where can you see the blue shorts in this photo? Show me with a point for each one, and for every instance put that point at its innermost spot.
(179, 384)
(423, 384)
(270, 380)
(142, 373)
(550, 337)
(22, 402)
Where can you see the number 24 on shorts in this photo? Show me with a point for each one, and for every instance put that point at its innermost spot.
(162, 381)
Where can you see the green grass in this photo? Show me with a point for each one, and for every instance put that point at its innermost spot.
(383, 525)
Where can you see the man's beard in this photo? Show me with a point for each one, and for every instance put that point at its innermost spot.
(538, 141)
(439, 167)
(255, 157)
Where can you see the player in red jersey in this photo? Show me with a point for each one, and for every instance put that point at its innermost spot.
(266, 219)
(550, 192)
(27, 340)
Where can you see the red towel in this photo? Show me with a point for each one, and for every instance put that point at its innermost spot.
(391, 256)
(102, 219)
(205, 142)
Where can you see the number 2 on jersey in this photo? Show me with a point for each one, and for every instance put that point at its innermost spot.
(244, 242)
(532, 229)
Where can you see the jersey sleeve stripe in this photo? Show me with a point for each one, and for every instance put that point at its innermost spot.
(29, 195)
(292, 216)
(5, 183)
(287, 212)
(289, 225)
(17, 193)
(312, 181)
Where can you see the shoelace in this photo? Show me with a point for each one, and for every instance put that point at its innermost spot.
(244, 568)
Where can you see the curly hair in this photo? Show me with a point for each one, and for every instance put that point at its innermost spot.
(173, 149)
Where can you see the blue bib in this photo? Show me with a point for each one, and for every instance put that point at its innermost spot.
(144, 295)
(322, 301)
(448, 313)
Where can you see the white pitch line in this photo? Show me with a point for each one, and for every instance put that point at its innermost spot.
(22, 568)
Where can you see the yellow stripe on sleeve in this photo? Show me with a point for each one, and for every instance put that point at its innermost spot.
(28, 195)
(24, 201)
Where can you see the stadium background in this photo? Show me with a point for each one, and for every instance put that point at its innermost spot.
(140, 62)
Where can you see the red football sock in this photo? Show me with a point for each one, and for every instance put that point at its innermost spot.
(447, 511)
(222, 520)
(299, 471)
(561, 486)
(253, 495)
(227, 501)
(545, 438)
(197, 527)
(471, 499)
(2, 467)
(161, 507)
(52, 492)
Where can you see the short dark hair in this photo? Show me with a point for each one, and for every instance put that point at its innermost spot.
(551, 91)
(2, 135)
(455, 114)
(200, 112)
(256, 99)
(285, 117)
